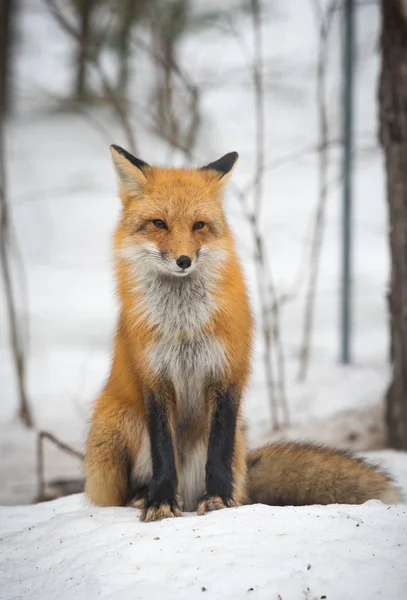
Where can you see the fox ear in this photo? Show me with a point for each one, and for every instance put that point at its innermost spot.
(131, 172)
(223, 167)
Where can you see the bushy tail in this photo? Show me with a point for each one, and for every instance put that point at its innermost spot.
(290, 473)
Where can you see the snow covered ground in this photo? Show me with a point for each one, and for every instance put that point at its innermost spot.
(67, 550)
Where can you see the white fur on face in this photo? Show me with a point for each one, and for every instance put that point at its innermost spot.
(147, 258)
(176, 305)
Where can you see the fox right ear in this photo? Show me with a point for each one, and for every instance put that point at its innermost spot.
(131, 172)
(223, 167)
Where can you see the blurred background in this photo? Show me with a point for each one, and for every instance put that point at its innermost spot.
(293, 87)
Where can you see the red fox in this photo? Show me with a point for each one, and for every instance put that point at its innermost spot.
(167, 432)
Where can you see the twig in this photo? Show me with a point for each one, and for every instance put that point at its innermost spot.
(16, 333)
(61, 445)
(268, 298)
(170, 125)
(259, 106)
(253, 216)
(274, 316)
(270, 305)
(157, 57)
(45, 435)
(93, 58)
(324, 18)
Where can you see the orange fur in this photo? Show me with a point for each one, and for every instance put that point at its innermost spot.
(301, 473)
(180, 197)
(187, 356)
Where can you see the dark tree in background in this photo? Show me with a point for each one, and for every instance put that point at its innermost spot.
(84, 10)
(7, 10)
(7, 14)
(170, 21)
(131, 12)
(393, 137)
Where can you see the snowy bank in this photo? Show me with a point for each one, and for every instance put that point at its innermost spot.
(66, 549)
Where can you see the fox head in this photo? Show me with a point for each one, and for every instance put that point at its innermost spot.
(172, 220)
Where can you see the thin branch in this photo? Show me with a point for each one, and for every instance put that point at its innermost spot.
(268, 298)
(165, 61)
(325, 19)
(259, 106)
(274, 317)
(16, 331)
(176, 96)
(93, 58)
(253, 216)
(61, 445)
(270, 304)
(45, 435)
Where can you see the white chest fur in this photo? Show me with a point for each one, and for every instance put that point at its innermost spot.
(177, 305)
(188, 357)
(188, 364)
(184, 353)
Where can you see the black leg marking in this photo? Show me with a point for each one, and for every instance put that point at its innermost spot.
(138, 494)
(219, 476)
(164, 482)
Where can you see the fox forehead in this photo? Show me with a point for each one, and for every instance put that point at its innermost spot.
(178, 193)
(180, 184)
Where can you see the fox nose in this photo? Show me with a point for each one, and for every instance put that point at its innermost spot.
(184, 262)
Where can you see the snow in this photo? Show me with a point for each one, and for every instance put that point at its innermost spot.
(67, 550)
(62, 191)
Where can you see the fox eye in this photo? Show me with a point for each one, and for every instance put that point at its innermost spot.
(159, 224)
(198, 225)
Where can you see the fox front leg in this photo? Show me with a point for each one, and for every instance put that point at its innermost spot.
(162, 501)
(223, 462)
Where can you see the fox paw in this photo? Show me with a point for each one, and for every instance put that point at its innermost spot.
(137, 503)
(160, 510)
(210, 503)
(140, 498)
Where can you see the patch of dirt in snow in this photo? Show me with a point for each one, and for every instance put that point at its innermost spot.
(64, 549)
(356, 430)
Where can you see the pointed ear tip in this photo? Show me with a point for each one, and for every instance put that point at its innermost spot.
(120, 153)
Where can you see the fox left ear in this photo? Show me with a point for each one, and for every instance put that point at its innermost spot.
(223, 167)
(131, 172)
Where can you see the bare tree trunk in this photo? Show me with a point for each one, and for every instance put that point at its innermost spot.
(7, 8)
(85, 8)
(129, 10)
(393, 137)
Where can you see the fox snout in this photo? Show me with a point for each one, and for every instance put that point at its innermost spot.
(184, 262)
(179, 263)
